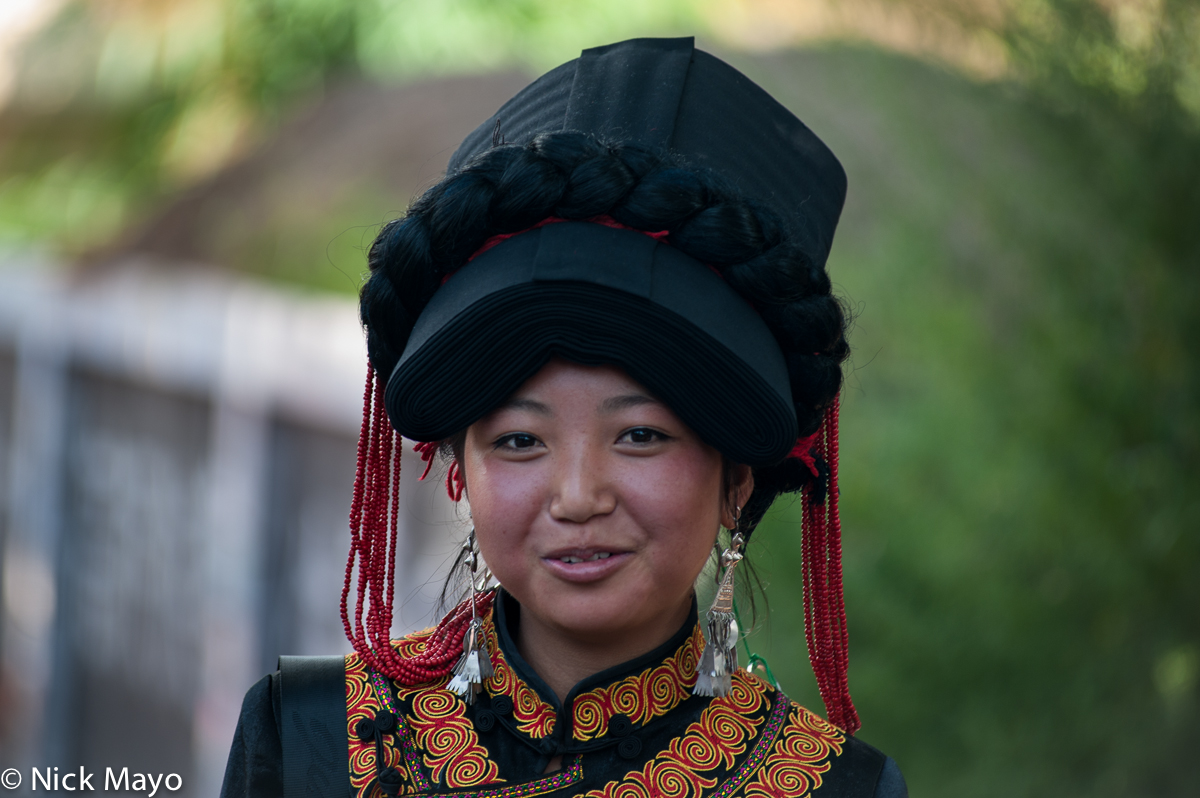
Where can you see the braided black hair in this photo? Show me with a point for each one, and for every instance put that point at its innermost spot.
(575, 176)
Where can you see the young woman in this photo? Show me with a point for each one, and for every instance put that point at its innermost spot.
(613, 319)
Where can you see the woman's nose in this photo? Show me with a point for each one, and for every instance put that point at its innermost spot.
(581, 488)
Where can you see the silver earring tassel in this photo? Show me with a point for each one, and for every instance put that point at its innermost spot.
(475, 665)
(719, 660)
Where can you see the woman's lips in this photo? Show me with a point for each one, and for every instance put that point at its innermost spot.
(585, 565)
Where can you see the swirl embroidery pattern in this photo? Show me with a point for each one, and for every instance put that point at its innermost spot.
(530, 789)
(434, 730)
(383, 691)
(413, 644)
(802, 756)
(363, 703)
(753, 743)
(452, 750)
(690, 764)
(640, 697)
(533, 715)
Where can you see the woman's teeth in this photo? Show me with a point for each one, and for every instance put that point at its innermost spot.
(603, 555)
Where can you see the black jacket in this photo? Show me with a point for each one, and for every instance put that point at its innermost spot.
(632, 731)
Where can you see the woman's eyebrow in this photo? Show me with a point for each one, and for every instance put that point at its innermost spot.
(529, 405)
(614, 404)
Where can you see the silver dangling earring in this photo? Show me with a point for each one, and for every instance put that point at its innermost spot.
(475, 667)
(719, 659)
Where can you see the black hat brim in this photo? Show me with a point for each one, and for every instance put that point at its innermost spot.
(596, 295)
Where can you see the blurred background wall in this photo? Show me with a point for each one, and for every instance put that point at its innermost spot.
(187, 189)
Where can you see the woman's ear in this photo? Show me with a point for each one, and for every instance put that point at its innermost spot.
(741, 485)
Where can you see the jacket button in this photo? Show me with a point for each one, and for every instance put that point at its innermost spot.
(385, 721)
(365, 729)
(629, 748)
(390, 781)
(502, 705)
(484, 720)
(620, 726)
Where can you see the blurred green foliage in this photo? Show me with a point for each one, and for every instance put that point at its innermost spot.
(1142, 54)
(1021, 435)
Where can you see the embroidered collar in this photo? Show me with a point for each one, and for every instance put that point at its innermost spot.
(634, 731)
(607, 705)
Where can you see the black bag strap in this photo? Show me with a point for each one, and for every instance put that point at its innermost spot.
(316, 751)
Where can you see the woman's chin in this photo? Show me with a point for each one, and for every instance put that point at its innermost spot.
(599, 611)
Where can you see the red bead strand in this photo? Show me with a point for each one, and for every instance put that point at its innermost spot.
(825, 627)
(374, 538)
(356, 504)
(849, 714)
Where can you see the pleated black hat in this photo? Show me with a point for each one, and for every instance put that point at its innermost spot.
(594, 294)
(668, 96)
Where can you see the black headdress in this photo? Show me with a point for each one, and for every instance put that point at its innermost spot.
(595, 294)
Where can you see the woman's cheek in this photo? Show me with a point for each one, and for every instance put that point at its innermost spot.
(683, 486)
(507, 486)
(505, 500)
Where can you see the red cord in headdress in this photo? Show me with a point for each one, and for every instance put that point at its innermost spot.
(455, 484)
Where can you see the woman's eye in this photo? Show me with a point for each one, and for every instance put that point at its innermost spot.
(643, 435)
(517, 440)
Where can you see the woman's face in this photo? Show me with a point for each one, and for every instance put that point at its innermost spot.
(593, 504)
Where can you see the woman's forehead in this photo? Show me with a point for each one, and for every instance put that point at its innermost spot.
(608, 387)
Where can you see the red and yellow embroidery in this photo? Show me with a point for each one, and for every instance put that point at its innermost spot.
(413, 644)
(640, 697)
(432, 728)
(448, 739)
(797, 762)
(690, 765)
(533, 715)
(362, 702)
(753, 743)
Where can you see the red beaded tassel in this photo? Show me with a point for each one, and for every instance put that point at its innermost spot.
(824, 606)
(374, 514)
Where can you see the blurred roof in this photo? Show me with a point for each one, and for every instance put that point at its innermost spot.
(360, 149)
